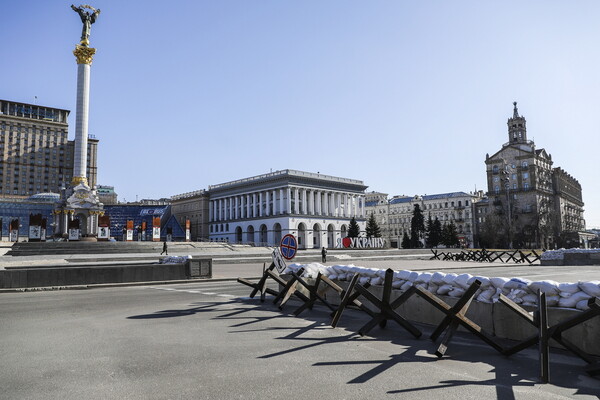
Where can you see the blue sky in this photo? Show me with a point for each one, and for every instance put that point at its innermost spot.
(408, 96)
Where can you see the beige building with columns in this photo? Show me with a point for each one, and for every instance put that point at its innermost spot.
(260, 210)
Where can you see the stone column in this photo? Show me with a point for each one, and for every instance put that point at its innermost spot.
(254, 205)
(332, 204)
(289, 200)
(281, 205)
(267, 195)
(260, 204)
(248, 206)
(304, 202)
(237, 205)
(296, 201)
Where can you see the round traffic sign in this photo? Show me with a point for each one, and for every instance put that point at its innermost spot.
(288, 246)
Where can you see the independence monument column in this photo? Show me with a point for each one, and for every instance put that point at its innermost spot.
(84, 55)
(77, 214)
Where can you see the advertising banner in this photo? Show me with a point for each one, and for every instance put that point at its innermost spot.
(74, 232)
(13, 234)
(129, 230)
(103, 228)
(156, 229)
(35, 227)
(144, 227)
(187, 230)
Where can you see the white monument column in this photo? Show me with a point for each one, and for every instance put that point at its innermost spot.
(84, 57)
(281, 205)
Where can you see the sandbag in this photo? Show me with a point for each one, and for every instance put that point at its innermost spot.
(582, 305)
(486, 295)
(485, 281)
(449, 278)
(461, 281)
(407, 285)
(456, 292)
(403, 275)
(397, 284)
(377, 281)
(571, 301)
(499, 282)
(437, 278)
(432, 287)
(424, 277)
(516, 283)
(568, 288)
(413, 276)
(444, 289)
(592, 288)
(548, 287)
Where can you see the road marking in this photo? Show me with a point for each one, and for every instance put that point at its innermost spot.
(190, 291)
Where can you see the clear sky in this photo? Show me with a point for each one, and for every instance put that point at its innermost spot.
(408, 96)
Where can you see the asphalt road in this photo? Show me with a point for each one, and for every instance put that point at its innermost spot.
(208, 341)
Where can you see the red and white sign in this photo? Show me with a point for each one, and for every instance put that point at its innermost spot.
(360, 243)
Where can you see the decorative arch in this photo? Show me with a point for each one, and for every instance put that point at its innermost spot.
(316, 236)
(250, 234)
(330, 236)
(302, 236)
(262, 236)
(276, 233)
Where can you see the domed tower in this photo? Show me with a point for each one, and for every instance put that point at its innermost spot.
(517, 127)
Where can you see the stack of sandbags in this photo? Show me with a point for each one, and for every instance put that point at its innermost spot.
(521, 291)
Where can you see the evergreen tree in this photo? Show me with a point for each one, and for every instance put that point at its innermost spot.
(353, 228)
(436, 233)
(449, 235)
(428, 231)
(417, 228)
(373, 228)
(405, 241)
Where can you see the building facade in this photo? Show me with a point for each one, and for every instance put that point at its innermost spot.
(315, 208)
(107, 194)
(530, 202)
(394, 215)
(193, 207)
(35, 153)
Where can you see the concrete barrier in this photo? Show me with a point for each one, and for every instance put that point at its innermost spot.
(45, 277)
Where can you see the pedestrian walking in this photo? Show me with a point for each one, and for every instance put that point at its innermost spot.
(324, 255)
(164, 248)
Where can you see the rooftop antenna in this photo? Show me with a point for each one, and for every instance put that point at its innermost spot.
(35, 100)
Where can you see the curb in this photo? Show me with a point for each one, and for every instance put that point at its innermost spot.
(122, 284)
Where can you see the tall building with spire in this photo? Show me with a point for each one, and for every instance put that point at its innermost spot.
(530, 202)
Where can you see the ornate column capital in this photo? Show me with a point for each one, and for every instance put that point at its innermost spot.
(84, 54)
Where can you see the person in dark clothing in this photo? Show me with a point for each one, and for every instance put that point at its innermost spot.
(164, 248)
(324, 255)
